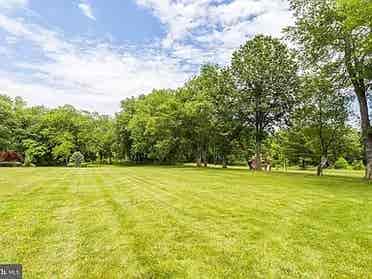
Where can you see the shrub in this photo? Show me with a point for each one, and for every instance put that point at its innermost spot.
(28, 161)
(341, 163)
(77, 159)
(358, 165)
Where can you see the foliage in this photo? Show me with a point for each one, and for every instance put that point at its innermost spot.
(214, 117)
(320, 120)
(358, 165)
(199, 112)
(334, 31)
(336, 36)
(341, 163)
(155, 128)
(28, 161)
(7, 122)
(50, 136)
(265, 74)
(33, 150)
(63, 146)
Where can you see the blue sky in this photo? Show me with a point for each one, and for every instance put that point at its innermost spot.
(94, 53)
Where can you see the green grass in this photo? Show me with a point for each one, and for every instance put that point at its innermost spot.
(164, 222)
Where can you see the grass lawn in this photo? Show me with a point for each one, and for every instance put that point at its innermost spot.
(169, 222)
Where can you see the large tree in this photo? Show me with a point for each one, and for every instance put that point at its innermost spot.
(7, 122)
(226, 124)
(122, 131)
(265, 73)
(196, 96)
(322, 117)
(336, 34)
(214, 91)
(155, 128)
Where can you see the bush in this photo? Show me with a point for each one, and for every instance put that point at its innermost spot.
(358, 165)
(28, 161)
(341, 163)
(77, 159)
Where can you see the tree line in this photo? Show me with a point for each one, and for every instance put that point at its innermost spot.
(271, 103)
(49, 136)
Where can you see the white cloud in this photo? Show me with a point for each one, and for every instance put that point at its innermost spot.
(217, 26)
(87, 10)
(88, 74)
(44, 38)
(37, 94)
(97, 75)
(11, 4)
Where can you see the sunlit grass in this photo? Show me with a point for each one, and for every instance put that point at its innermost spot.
(308, 170)
(173, 222)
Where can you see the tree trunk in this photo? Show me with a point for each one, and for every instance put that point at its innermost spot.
(319, 171)
(214, 154)
(258, 155)
(366, 129)
(361, 92)
(224, 162)
(199, 156)
(205, 160)
(246, 157)
(369, 157)
(205, 155)
(321, 166)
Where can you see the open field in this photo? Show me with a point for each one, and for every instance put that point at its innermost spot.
(168, 222)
